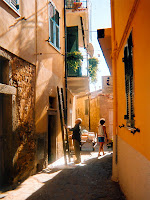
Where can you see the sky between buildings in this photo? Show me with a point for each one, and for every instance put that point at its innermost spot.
(100, 18)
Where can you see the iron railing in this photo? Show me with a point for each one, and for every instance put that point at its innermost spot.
(76, 4)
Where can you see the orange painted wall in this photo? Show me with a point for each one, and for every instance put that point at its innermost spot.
(140, 27)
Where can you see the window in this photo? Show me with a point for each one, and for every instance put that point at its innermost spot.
(13, 3)
(128, 64)
(53, 26)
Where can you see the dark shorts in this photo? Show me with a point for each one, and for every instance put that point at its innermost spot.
(100, 139)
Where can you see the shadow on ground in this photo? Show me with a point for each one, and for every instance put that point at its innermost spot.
(91, 181)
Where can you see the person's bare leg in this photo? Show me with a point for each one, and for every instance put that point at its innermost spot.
(103, 149)
(100, 148)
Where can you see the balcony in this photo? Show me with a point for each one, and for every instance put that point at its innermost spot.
(76, 5)
(78, 80)
(78, 85)
(78, 16)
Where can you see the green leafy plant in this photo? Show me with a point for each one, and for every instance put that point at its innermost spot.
(74, 60)
(93, 67)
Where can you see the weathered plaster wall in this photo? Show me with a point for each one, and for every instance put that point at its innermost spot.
(19, 125)
(49, 74)
(99, 107)
(80, 112)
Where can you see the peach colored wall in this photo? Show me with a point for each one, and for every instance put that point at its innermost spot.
(27, 39)
(50, 70)
(71, 109)
(16, 35)
(73, 19)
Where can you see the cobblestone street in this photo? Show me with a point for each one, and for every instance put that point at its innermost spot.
(89, 180)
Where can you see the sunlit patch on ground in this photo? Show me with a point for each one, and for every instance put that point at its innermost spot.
(35, 182)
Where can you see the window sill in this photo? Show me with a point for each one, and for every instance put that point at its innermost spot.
(133, 130)
(51, 44)
(12, 8)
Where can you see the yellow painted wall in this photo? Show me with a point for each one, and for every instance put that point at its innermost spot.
(80, 112)
(99, 107)
(95, 113)
(138, 23)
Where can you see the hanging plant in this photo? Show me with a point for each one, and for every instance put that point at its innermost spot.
(93, 67)
(74, 60)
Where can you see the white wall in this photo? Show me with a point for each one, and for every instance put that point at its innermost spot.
(133, 172)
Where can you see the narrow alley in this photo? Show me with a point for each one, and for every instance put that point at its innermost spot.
(74, 74)
(89, 180)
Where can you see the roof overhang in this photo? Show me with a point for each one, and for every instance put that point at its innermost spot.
(104, 38)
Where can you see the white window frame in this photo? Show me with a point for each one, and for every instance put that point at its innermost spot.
(52, 21)
(11, 4)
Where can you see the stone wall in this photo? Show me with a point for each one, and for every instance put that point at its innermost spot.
(19, 146)
(100, 106)
(80, 112)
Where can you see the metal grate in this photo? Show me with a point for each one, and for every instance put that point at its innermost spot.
(70, 3)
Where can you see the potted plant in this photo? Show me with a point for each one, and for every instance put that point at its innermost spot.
(74, 60)
(93, 67)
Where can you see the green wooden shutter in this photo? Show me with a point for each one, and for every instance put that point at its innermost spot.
(72, 39)
(129, 88)
(126, 81)
(130, 45)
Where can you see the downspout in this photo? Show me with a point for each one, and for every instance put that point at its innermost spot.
(89, 113)
(114, 64)
(36, 60)
(66, 67)
(66, 74)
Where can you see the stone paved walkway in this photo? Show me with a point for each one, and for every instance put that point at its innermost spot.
(90, 180)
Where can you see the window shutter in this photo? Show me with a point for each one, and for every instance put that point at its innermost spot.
(129, 89)
(126, 81)
(130, 45)
(57, 36)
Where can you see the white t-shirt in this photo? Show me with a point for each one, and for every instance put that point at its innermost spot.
(101, 131)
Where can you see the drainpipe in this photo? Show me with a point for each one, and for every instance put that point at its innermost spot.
(66, 74)
(89, 113)
(114, 63)
(66, 67)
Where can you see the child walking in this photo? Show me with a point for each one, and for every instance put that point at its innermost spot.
(102, 136)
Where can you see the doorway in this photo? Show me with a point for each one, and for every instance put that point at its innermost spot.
(6, 140)
(51, 138)
(6, 144)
